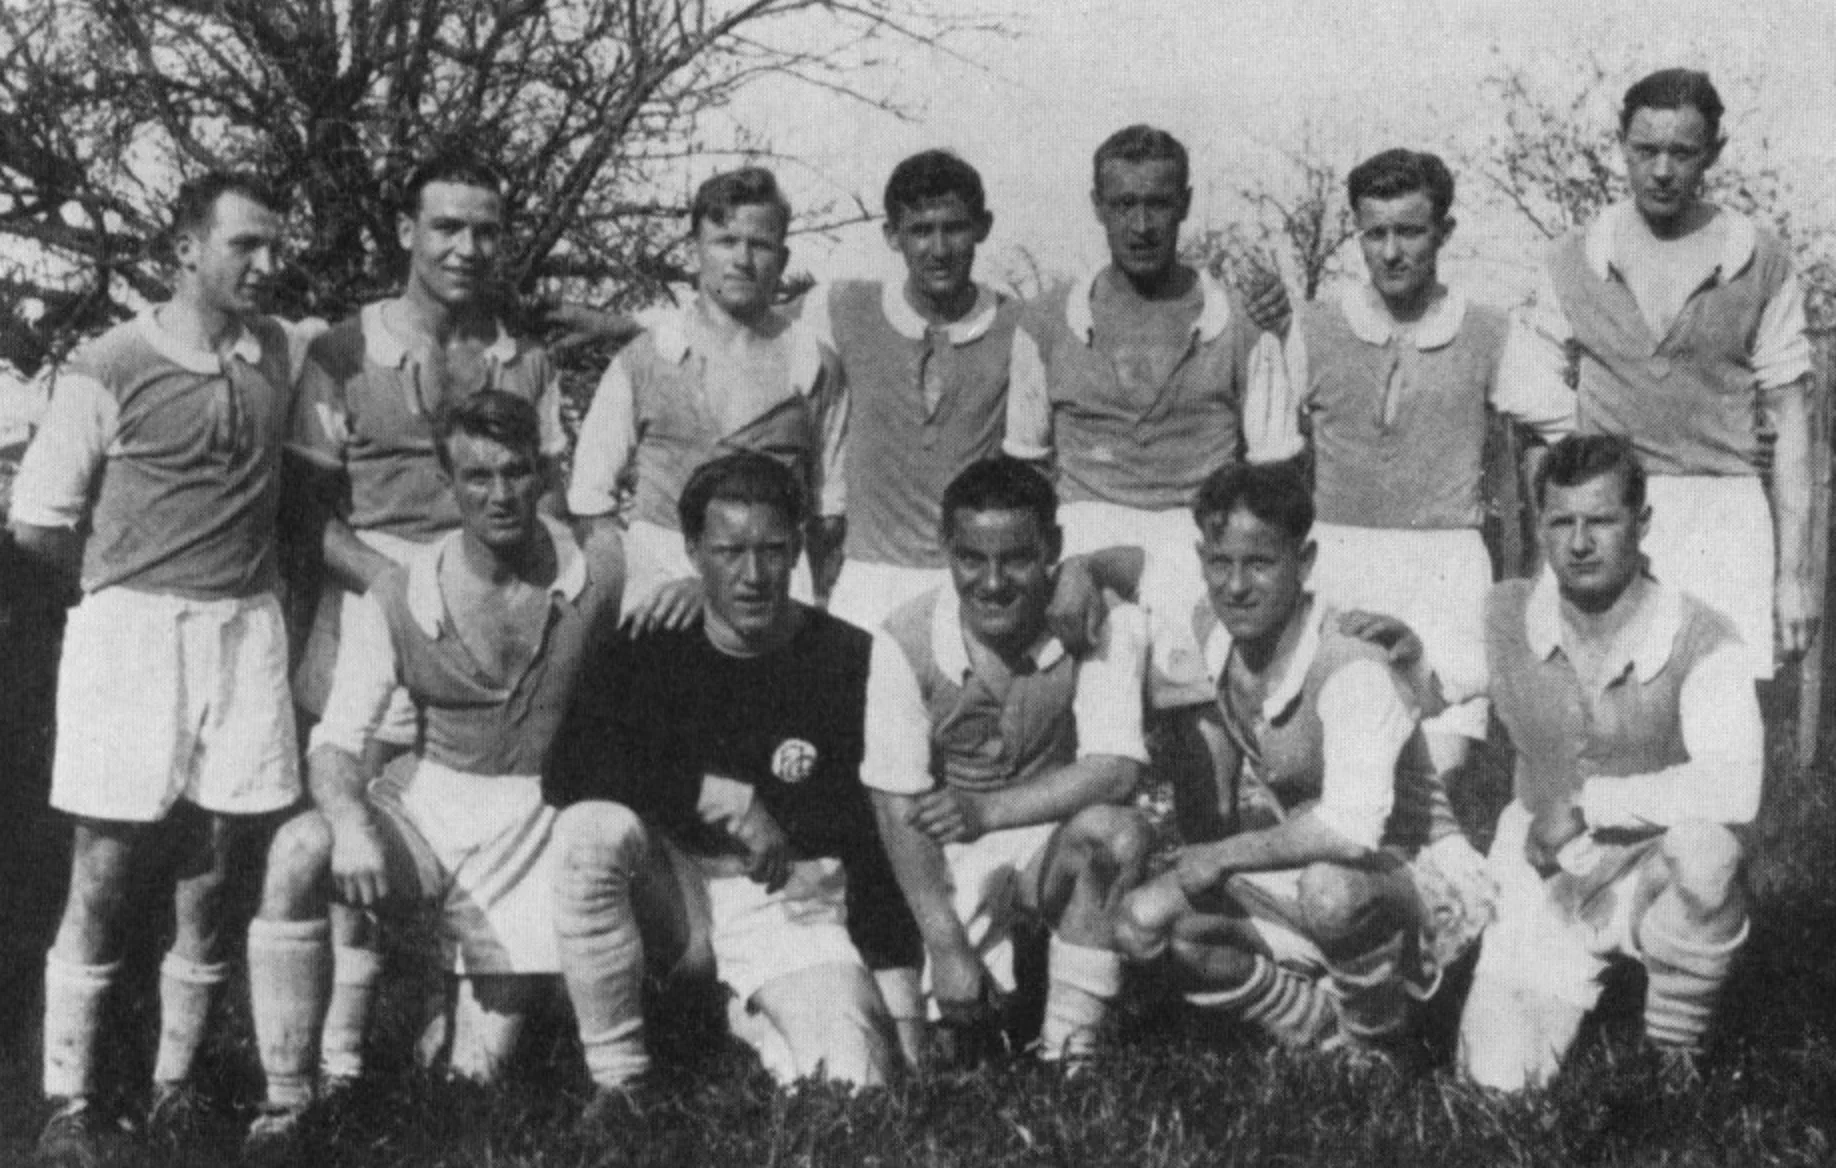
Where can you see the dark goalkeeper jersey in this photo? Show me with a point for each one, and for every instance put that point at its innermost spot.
(651, 716)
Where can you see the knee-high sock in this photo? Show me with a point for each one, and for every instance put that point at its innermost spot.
(1081, 983)
(186, 990)
(74, 996)
(1684, 974)
(1372, 998)
(1291, 1007)
(355, 972)
(602, 952)
(290, 969)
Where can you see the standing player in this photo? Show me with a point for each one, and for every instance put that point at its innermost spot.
(728, 372)
(1391, 383)
(363, 441)
(926, 362)
(1322, 894)
(486, 629)
(721, 765)
(1131, 382)
(1681, 327)
(1639, 751)
(157, 467)
(996, 760)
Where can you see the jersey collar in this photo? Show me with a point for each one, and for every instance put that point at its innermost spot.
(1214, 314)
(381, 346)
(1287, 690)
(428, 607)
(245, 348)
(1643, 644)
(1603, 235)
(906, 321)
(1371, 322)
(672, 332)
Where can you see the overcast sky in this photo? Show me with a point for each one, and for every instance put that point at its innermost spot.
(1237, 80)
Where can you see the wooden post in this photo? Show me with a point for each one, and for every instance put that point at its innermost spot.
(1811, 668)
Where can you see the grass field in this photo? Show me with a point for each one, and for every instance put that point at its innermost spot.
(1174, 1087)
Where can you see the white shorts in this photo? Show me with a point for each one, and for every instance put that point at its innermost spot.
(1435, 582)
(655, 555)
(759, 936)
(479, 846)
(866, 594)
(1711, 536)
(1172, 588)
(985, 877)
(160, 698)
(1533, 943)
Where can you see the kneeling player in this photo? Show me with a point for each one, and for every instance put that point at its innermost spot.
(1308, 923)
(721, 765)
(1639, 747)
(996, 760)
(485, 629)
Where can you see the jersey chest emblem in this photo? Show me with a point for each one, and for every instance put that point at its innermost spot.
(793, 761)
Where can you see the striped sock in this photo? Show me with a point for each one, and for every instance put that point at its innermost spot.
(1683, 979)
(1296, 1010)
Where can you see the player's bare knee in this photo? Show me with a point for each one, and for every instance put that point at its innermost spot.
(1114, 836)
(299, 868)
(1333, 898)
(1705, 863)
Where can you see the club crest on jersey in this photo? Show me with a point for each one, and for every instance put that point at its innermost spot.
(793, 761)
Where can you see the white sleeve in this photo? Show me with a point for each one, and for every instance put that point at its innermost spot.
(898, 751)
(548, 410)
(1275, 396)
(608, 435)
(1725, 738)
(1029, 404)
(1111, 684)
(1781, 346)
(817, 313)
(363, 678)
(833, 405)
(60, 465)
(1365, 724)
(1530, 384)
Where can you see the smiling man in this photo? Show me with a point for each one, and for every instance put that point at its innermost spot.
(727, 372)
(1680, 325)
(1639, 752)
(1305, 920)
(1390, 384)
(926, 360)
(999, 763)
(157, 471)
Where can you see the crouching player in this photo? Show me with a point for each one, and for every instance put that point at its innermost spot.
(1306, 920)
(996, 760)
(1639, 748)
(720, 765)
(485, 629)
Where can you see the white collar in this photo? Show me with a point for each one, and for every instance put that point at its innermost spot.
(1214, 314)
(1736, 252)
(381, 346)
(428, 607)
(906, 321)
(1653, 628)
(245, 348)
(671, 332)
(950, 641)
(1371, 322)
(1293, 671)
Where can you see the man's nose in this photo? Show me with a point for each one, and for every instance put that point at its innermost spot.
(1392, 247)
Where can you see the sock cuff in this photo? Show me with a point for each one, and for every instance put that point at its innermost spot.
(288, 934)
(1262, 975)
(178, 967)
(1098, 972)
(353, 965)
(1702, 958)
(74, 973)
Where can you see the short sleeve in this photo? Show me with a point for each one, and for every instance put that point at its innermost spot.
(607, 435)
(1781, 346)
(61, 463)
(1029, 403)
(548, 411)
(321, 427)
(363, 679)
(1111, 683)
(898, 747)
(1365, 725)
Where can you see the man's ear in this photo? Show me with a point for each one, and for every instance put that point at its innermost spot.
(1310, 551)
(1714, 151)
(404, 232)
(185, 247)
(1448, 223)
(983, 225)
